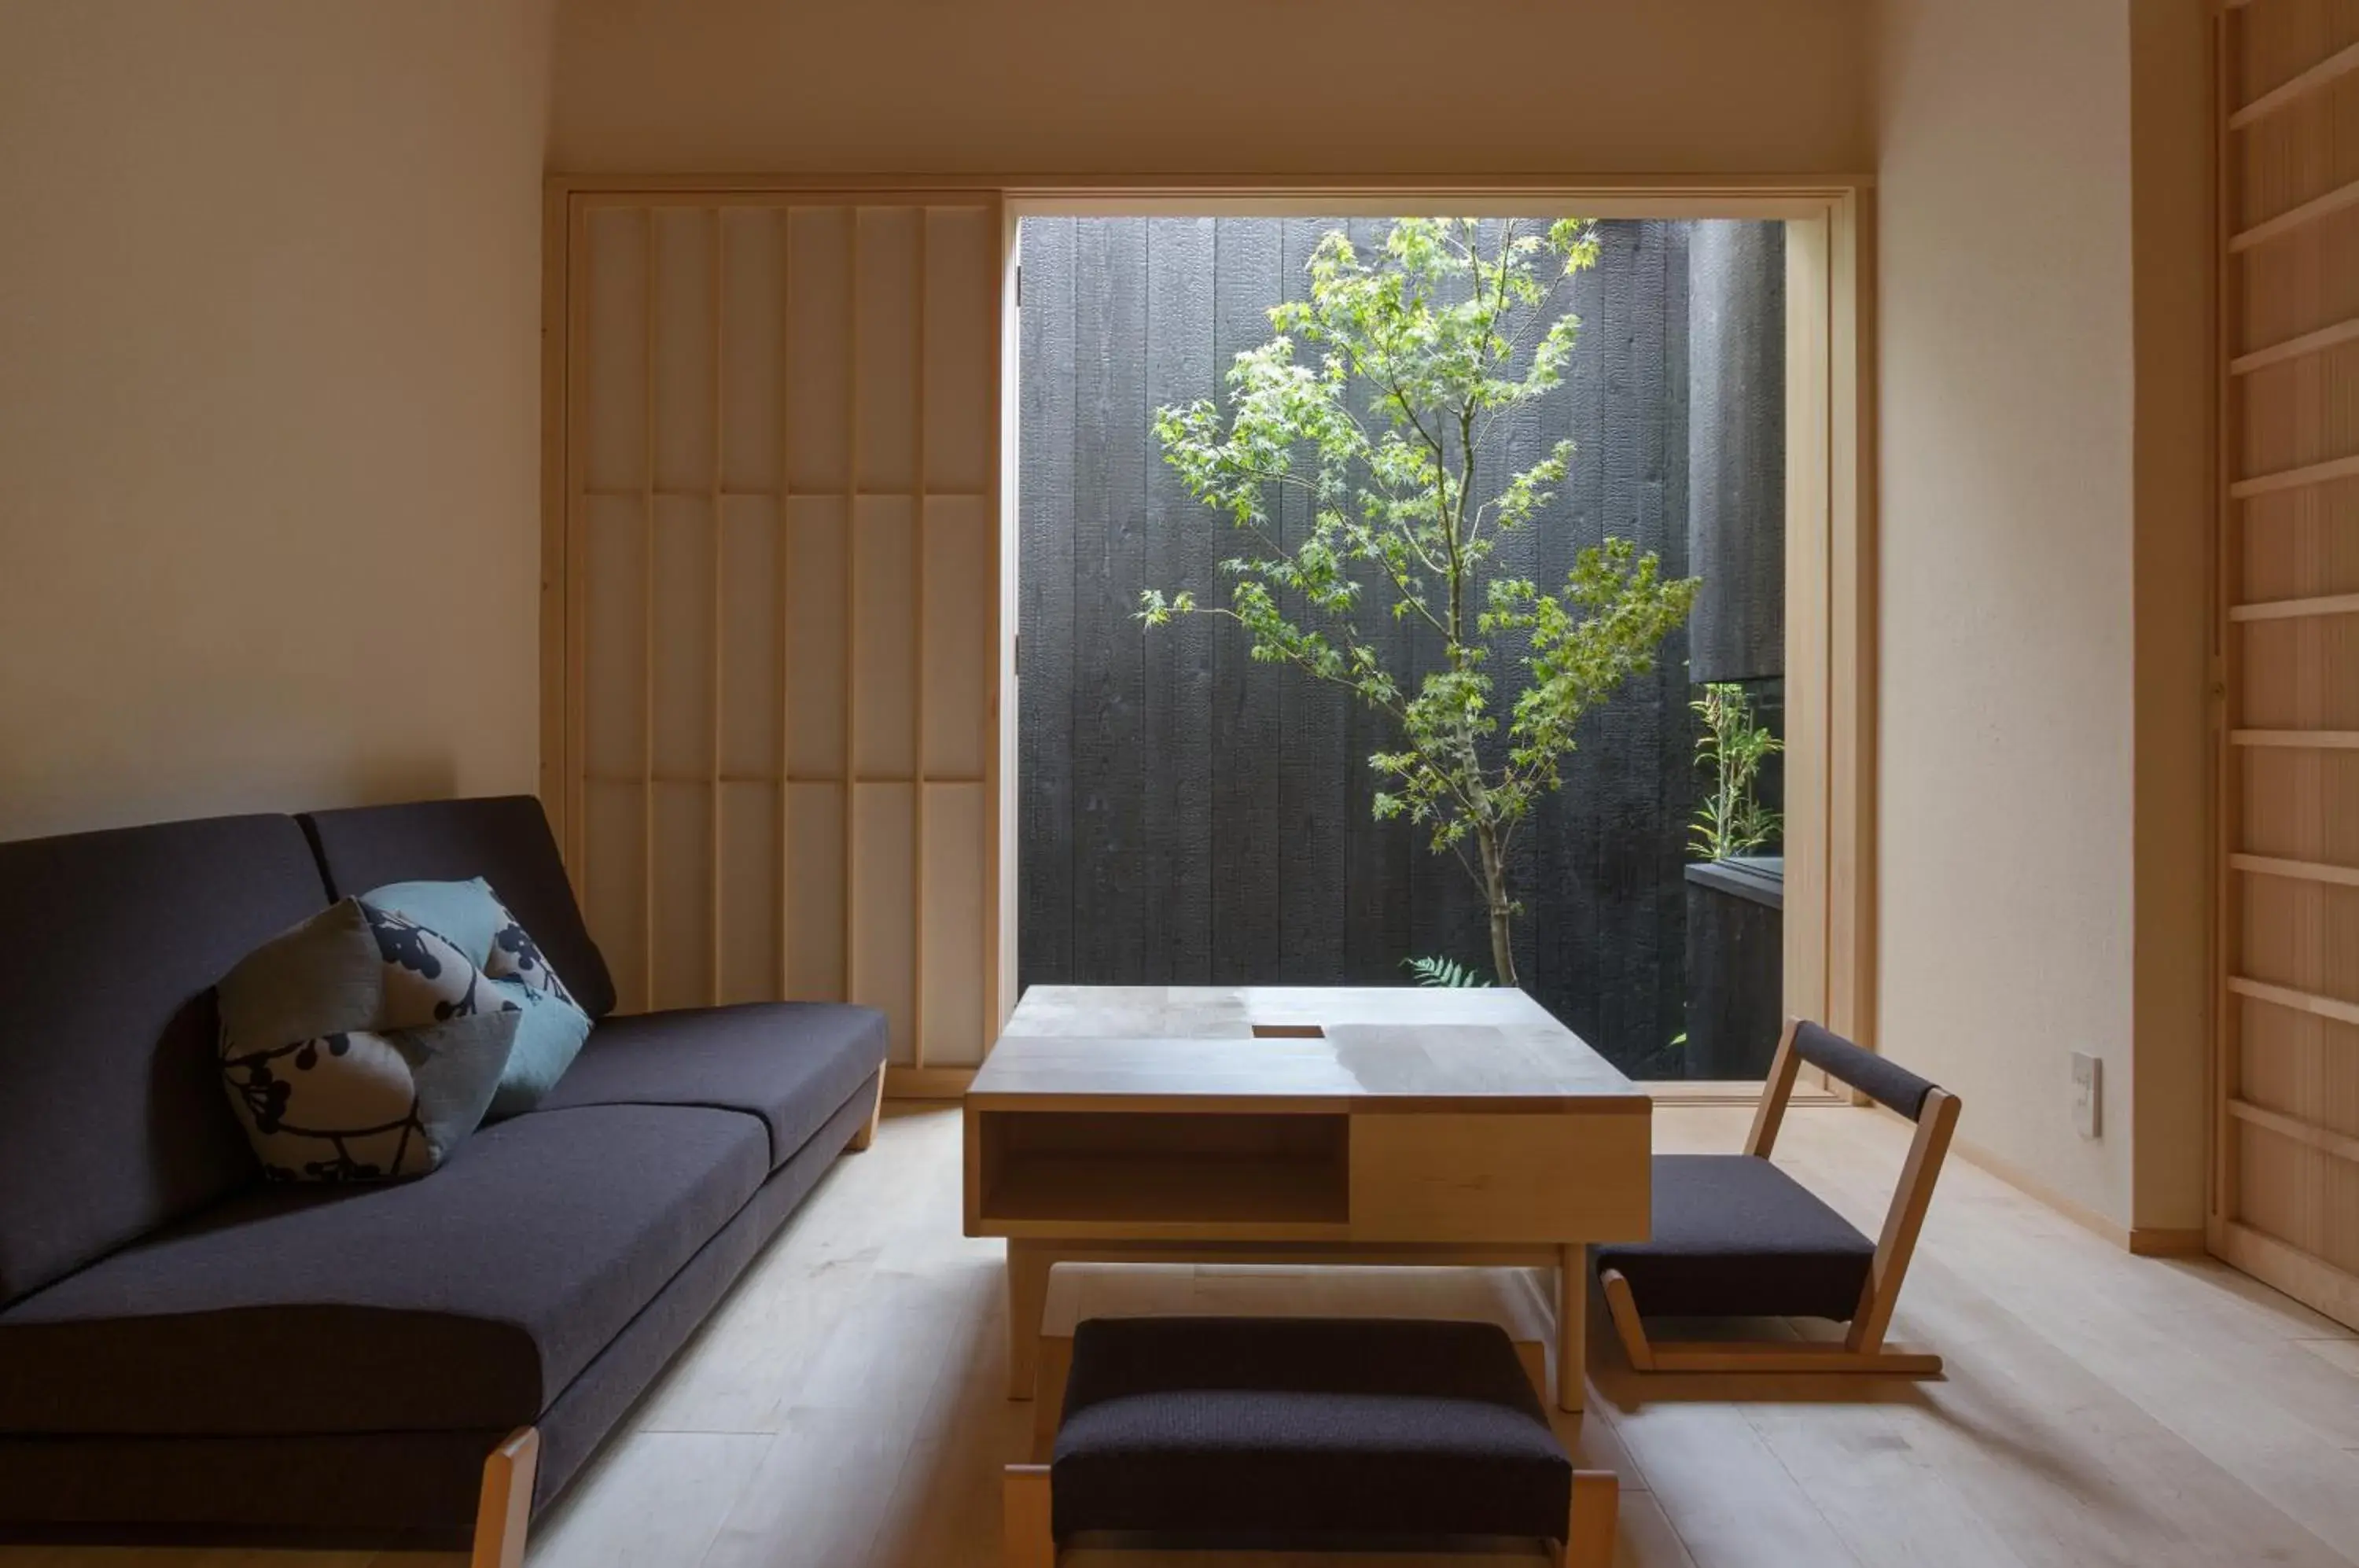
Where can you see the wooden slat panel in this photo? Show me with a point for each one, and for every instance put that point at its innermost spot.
(2340, 63)
(2296, 1001)
(2313, 740)
(2339, 1145)
(2286, 1088)
(682, 895)
(751, 915)
(2295, 609)
(952, 885)
(884, 637)
(681, 641)
(2303, 1196)
(2306, 870)
(961, 307)
(2301, 934)
(817, 539)
(683, 367)
(614, 398)
(752, 705)
(2299, 1065)
(2300, 675)
(753, 264)
(2291, 289)
(2270, 481)
(960, 553)
(782, 574)
(818, 323)
(2286, 801)
(614, 597)
(2300, 543)
(2316, 341)
(815, 886)
(613, 885)
(2295, 219)
(882, 933)
(885, 328)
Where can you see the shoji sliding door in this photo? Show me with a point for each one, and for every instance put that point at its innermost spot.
(777, 684)
(2285, 1142)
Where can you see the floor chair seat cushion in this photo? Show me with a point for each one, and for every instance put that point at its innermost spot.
(1736, 1237)
(469, 1299)
(792, 1064)
(1281, 1428)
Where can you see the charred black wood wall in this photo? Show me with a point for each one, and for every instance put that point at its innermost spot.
(1189, 816)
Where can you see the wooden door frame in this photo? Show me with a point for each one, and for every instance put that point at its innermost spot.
(1830, 959)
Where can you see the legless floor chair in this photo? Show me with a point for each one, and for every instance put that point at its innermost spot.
(1298, 1432)
(1735, 1236)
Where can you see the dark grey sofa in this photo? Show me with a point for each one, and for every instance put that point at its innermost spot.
(187, 1353)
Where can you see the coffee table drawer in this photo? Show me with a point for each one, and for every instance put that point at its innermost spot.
(1507, 1177)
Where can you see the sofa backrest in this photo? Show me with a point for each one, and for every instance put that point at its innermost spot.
(112, 1120)
(504, 839)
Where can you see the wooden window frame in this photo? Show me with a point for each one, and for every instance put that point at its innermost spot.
(1830, 916)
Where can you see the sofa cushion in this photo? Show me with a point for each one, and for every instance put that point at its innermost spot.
(790, 1064)
(1735, 1236)
(550, 1025)
(468, 1300)
(111, 1120)
(505, 840)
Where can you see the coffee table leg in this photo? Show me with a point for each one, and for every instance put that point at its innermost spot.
(1572, 1326)
(1027, 1296)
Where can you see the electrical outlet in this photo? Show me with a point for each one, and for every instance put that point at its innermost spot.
(2088, 1086)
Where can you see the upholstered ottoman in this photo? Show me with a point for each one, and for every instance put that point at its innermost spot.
(1299, 1432)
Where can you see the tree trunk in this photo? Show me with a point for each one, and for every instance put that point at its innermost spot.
(1495, 894)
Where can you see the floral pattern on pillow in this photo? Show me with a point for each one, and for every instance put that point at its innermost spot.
(516, 956)
(360, 1046)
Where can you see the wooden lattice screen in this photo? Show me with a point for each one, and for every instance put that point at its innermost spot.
(780, 606)
(2286, 1091)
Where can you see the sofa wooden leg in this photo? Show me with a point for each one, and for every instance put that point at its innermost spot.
(1589, 1533)
(867, 1133)
(504, 1511)
(1025, 1537)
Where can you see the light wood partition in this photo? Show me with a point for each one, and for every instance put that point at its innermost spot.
(2285, 1179)
(775, 556)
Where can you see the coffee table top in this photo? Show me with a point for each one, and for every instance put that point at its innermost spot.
(1375, 1048)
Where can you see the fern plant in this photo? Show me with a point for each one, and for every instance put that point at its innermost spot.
(1444, 974)
(1731, 817)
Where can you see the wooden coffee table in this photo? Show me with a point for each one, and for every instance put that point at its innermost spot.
(1320, 1125)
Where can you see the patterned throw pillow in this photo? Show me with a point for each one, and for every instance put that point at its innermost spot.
(360, 1046)
(553, 1027)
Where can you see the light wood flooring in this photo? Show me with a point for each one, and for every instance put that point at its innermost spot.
(843, 1408)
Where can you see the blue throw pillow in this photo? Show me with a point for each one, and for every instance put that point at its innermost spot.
(552, 1026)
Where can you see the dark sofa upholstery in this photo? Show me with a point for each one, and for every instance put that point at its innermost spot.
(173, 1328)
(728, 1058)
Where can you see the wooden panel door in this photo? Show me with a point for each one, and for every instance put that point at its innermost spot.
(2285, 1200)
(780, 565)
